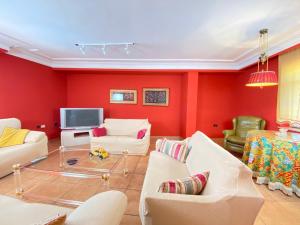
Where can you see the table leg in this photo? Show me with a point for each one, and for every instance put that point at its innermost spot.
(61, 156)
(125, 168)
(105, 177)
(17, 179)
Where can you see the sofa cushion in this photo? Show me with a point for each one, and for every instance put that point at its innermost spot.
(236, 140)
(161, 168)
(15, 212)
(34, 136)
(11, 122)
(178, 150)
(224, 169)
(244, 124)
(192, 185)
(99, 131)
(125, 127)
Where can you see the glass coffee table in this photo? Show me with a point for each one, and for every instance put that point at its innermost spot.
(69, 175)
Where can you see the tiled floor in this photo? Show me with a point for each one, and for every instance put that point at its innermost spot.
(277, 210)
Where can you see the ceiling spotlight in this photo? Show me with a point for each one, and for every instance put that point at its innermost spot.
(103, 50)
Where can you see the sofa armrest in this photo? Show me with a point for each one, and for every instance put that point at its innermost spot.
(228, 133)
(34, 136)
(167, 209)
(106, 208)
(148, 133)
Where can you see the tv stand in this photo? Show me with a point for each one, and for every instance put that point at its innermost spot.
(75, 137)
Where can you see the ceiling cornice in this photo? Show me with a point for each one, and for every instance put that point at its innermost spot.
(244, 60)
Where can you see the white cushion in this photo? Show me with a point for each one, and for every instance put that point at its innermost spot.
(125, 127)
(34, 136)
(206, 155)
(117, 144)
(106, 208)
(162, 168)
(11, 122)
(16, 212)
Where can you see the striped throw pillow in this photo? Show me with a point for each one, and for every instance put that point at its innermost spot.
(178, 150)
(193, 185)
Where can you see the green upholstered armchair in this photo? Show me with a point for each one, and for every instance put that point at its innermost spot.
(234, 139)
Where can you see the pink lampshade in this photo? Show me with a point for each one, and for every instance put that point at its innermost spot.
(262, 79)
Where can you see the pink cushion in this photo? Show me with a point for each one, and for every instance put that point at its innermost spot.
(193, 185)
(99, 132)
(141, 134)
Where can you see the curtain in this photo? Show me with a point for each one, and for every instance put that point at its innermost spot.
(288, 103)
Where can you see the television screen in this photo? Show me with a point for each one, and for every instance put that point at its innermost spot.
(81, 117)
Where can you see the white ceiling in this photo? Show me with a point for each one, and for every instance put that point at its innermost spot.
(181, 34)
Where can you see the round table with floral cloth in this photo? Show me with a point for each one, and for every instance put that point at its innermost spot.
(274, 160)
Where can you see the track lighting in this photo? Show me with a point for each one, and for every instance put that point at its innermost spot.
(104, 47)
(103, 50)
(126, 49)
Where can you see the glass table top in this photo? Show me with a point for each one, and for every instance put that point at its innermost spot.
(68, 176)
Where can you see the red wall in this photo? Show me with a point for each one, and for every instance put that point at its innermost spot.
(222, 96)
(216, 102)
(92, 90)
(31, 92)
(34, 93)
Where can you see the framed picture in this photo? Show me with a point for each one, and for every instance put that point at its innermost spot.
(123, 96)
(156, 96)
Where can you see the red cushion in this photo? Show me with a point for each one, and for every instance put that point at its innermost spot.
(141, 134)
(99, 131)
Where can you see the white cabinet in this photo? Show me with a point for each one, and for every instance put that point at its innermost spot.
(75, 137)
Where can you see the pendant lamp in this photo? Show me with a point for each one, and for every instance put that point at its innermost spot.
(263, 77)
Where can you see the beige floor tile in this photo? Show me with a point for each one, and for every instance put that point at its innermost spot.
(133, 202)
(119, 180)
(131, 220)
(80, 192)
(142, 165)
(136, 182)
(132, 162)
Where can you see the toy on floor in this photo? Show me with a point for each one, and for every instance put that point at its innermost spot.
(101, 153)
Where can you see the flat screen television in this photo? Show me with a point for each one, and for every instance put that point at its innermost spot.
(80, 118)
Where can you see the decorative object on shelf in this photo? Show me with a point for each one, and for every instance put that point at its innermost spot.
(156, 96)
(101, 153)
(123, 96)
(263, 77)
(104, 47)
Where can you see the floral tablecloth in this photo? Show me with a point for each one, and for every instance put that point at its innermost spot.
(274, 160)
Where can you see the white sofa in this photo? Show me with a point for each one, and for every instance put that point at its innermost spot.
(106, 208)
(35, 146)
(122, 135)
(229, 198)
